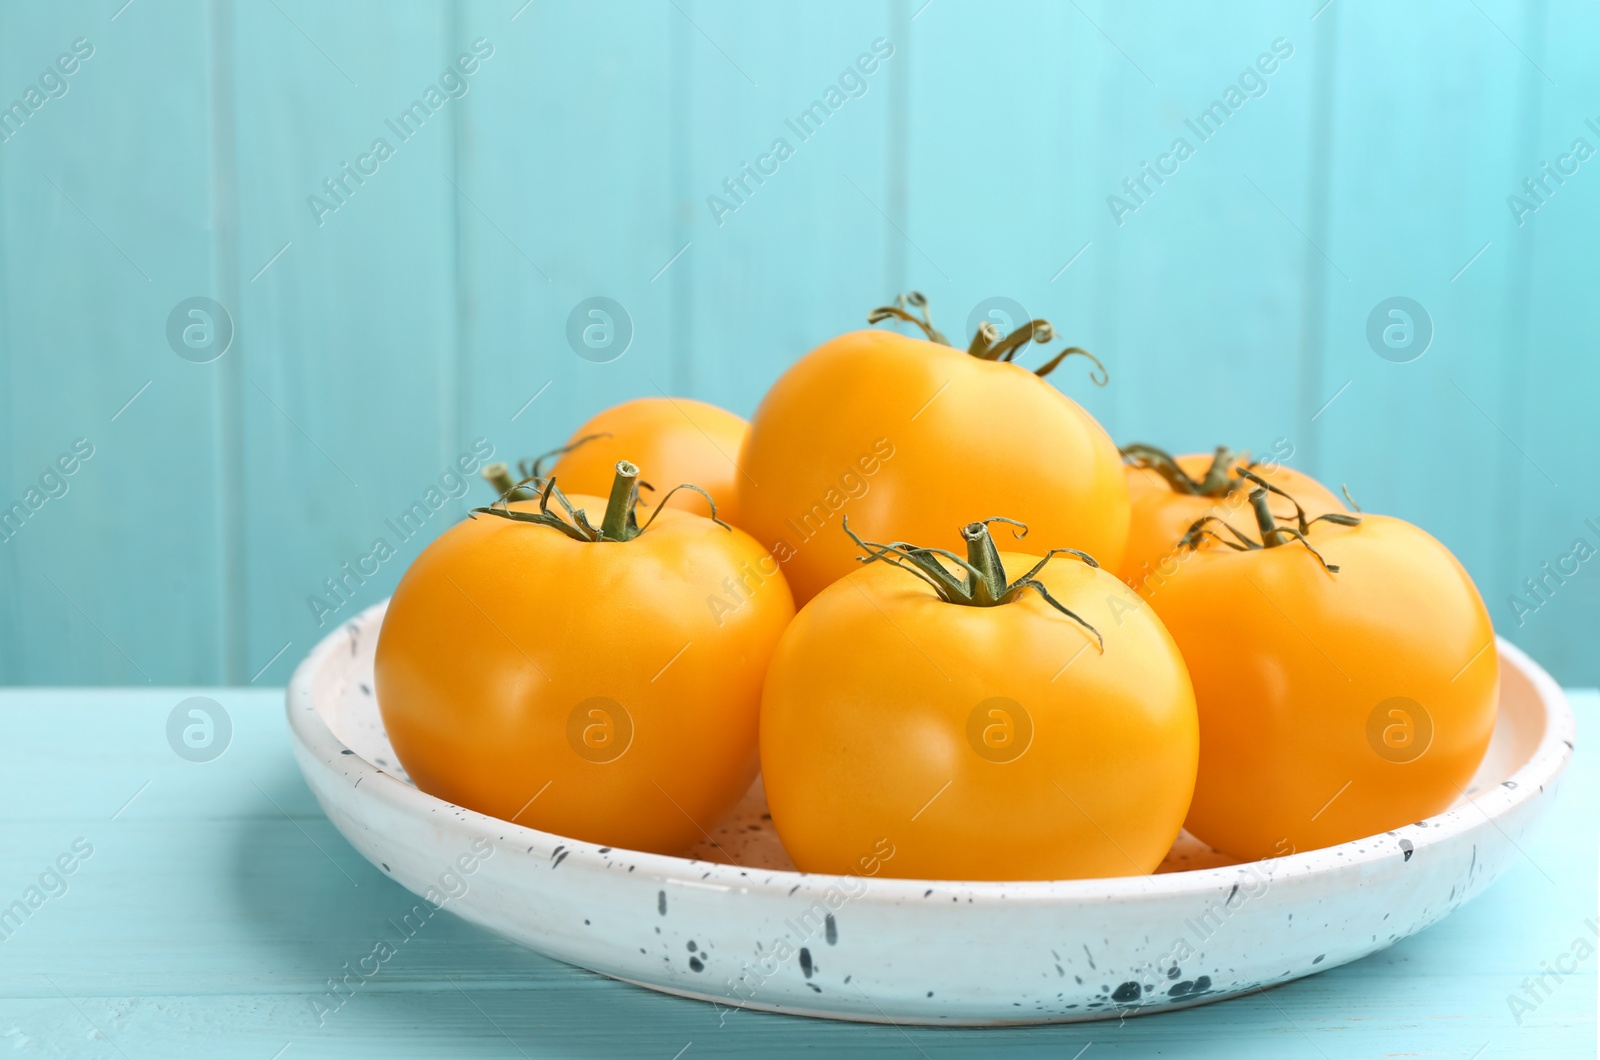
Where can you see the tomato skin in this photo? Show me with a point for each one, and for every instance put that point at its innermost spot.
(865, 739)
(912, 439)
(500, 631)
(1161, 516)
(1291, 663)
(676, 440)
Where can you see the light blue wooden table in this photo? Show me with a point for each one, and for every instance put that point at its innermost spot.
(216, 901)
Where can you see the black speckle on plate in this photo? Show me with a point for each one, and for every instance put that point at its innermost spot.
(696, 964)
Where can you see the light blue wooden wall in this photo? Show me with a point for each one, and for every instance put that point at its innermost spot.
(424, 313)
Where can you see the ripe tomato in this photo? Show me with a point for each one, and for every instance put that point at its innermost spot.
(1333, 705)
(1168, 493)
(913, 438)
(978, 742)
(584, 687)
(676, 439)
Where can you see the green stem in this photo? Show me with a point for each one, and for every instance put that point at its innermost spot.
(1268, 525)
(498, 475)
(624, 489)
(986, 344)
(619, 523)
(984, 584)
(1217, 483)
(990, 586)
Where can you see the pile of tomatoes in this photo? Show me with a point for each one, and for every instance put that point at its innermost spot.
(927, 598)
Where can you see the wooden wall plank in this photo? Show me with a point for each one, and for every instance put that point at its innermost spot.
(1424, 145)
(106, 210)
(1196, 293)
(347, 340)
(1545, 374)
(803, 257)
(566, 156)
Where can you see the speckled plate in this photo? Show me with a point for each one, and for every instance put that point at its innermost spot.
(757, 934)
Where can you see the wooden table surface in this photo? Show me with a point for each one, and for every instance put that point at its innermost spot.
(209, 903)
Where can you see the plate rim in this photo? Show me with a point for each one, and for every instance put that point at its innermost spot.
(1543, 769)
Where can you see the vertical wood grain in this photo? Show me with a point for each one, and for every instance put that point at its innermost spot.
(1197, 295)
(1424, 143)
(567, 157)
(1545, 369)
(802, 257)
(107, 214)
(346, 340)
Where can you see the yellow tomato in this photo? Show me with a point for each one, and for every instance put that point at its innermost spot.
(884, 427)
(676, 439)
(1332, 705)
(590, 688)
(978, 742)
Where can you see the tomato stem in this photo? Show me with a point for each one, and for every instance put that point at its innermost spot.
(534, 471)
(619, 518)
(1265, 521)
(899, 312)
(983, 581)
(498, 476)
(1272, 535)
(1215, 483)
(619, 522)
(539, 466)
(987, 345)
(990, 583)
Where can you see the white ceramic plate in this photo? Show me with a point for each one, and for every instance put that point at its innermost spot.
(758, 934)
